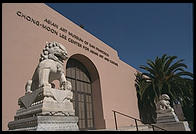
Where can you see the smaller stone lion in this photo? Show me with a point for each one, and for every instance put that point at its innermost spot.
(163, 105)
(50, 68)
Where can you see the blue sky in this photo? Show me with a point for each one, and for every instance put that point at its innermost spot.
(138, 31)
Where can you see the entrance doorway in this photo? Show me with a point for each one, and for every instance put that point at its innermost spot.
(81, 82)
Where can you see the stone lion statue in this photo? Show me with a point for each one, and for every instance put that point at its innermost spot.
(50, 68)
(163, 105)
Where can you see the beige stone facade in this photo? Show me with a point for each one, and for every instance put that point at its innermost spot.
(27, 28)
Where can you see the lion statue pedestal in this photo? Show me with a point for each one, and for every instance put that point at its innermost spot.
(166, 117)
(43, 107)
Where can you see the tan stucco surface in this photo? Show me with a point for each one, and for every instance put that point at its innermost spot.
(22, 44)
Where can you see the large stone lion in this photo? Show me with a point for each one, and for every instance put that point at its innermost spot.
(50, 68)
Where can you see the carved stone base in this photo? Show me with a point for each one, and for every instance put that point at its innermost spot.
(45, 109)
(45, 123)
(169, 121)
(173, 126)
(167, 117)
(45, 101)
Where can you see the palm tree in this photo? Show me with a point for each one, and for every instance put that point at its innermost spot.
(161, 77)
(145, 103)
(162, 74)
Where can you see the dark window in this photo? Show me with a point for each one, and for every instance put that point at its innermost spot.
(79, 77)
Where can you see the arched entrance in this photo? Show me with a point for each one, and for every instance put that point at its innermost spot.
(83, 75)
(79, 77)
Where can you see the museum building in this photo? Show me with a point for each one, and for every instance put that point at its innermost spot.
(101, 82)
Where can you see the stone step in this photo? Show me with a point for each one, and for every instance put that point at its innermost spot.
(133, 128)
(127, 128)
